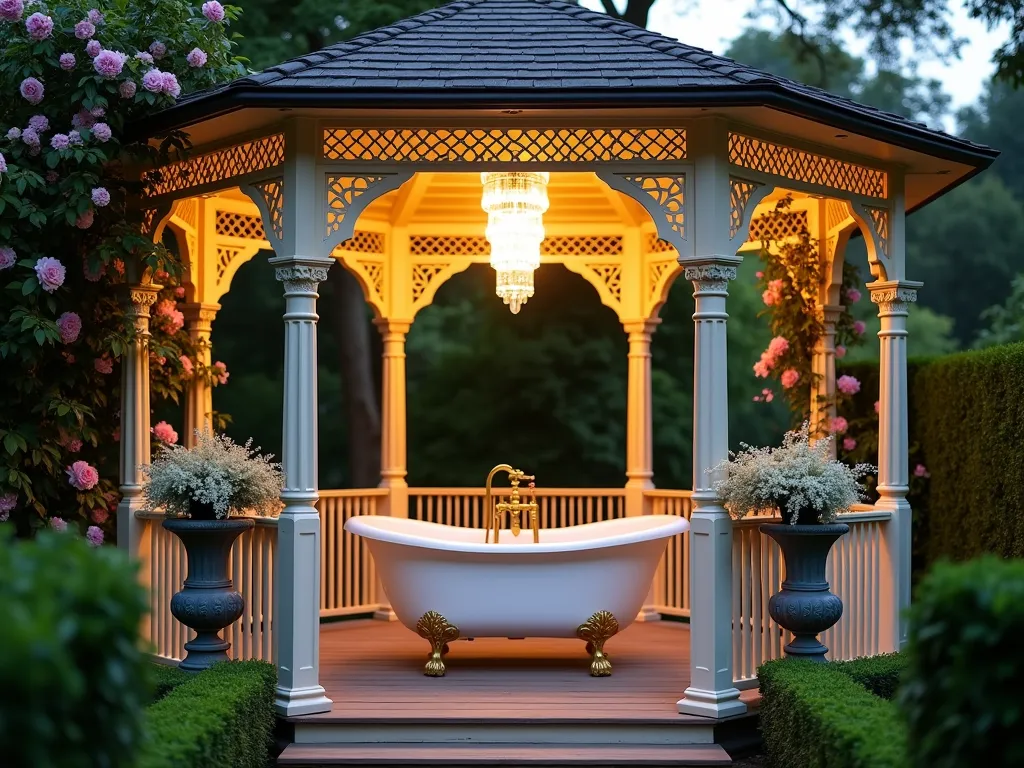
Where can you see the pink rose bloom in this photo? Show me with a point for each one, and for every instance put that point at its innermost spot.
(84, 220)
(94, 535)
(8, 257)
(761, 368)
(859, 328)
(840, 352)
(83, 476)
(100, 516)
(165, 433)
(144, 57)
(74, 445)
(848, 385)
(164, 308)
(177, 322)
(11, 10)
(50, 273)
(39, 123)
(74, 138)
(196, 58)
(58, 524)
(876, 406)
(3, 163)
(162, 276)
(93, 48)
(778, 346)
(94, 16)
(7, 503)
(179, 292)
(222, 372)
(102, 132)
(170, 85)
(108, 63)
(32, 91)
(158, 49)
(127, 89)
(67, 61)
(921, 471)
(853, 295)
(39, 26)
(30, 138)
(790, 378)
(84, 30)
(770, 298)
(14, 134)
(118, 266)
(839, 425)
(99, 111)
(100, 197)
(104, 365)
(849, 443)
(153, 81)
(766, 396)
(161, 361)
(69, 325)
(186, 365)
(213, 10)
(60, 141)
(759, 275)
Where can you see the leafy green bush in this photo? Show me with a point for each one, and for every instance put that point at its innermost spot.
(166, 678)
(961, 691)
(813, 715)
(879, 674)
(73, 677)
(221, 717)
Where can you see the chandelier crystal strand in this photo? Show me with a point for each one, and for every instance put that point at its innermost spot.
(515, 203)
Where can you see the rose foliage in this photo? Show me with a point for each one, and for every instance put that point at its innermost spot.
(72, 75)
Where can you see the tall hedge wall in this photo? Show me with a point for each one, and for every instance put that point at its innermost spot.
(967, 428)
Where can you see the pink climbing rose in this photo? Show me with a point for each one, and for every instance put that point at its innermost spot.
(853, 295)
(69, 325)
(39, 123)
(761, 367)
(100, 197)
(94, 535)
(7, 504)
(778, 346)
(83, 476)
(85, 29)
(94, 16)
(849, 443)
(848, 385)
(859, 327)
(58, 524)
(921, 471)
(840, 352)
(8, 257)
(50, 273)
(100, 516)
(221, 372)
(157, 49)
(127, 89)
(213, 10)
(102, 132)
(103, 365)
(186, 365)
(789, 378)
(877, 404)
(839, 425)
(11, 10)
(93, 48)
(67, 61)
(165, 433)
(39, 26)
(60, 141)
(32, 91)
(196, 58)
(108, 63)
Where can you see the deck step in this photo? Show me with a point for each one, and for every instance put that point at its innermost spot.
(479, 755)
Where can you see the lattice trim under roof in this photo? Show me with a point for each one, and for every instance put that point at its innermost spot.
(232, 224)
(739, 195)
(656, 245)
(239, 160)
(610, 275)
(342, 192)
(422, 276)
(364, 241)
(777, 226)
(880, 220)
(272, 192)
(558, 245)
(504, 145)
(798, 165)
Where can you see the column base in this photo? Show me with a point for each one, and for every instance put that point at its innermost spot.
(292, 702)
(385, 612)
(716, 704)
(648, 613)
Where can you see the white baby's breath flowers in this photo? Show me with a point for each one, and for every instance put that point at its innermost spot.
(231, 478)
(799, 476)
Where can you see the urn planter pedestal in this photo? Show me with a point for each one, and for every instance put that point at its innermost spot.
(805, 606)
(208, 602)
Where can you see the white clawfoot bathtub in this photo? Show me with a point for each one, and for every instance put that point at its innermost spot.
(517, 588)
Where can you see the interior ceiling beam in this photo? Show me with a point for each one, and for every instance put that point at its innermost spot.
(409, 197)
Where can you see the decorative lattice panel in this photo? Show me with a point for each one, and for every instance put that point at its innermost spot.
(363, 242)
(564, 245)
(778, 226)
(148, 220)
(611, 274)
(227, 163)
(422, 275)
(572, 245)
(790, 163)
(739, 195)
(225, 256)
(445, 245)
(880, 219)
(272, 192)
(188, 212)
(836, 213)
(233, 224)
(669, 194)
(342, 191)
(655, 275)
(505, 145)
(656, 245)
(375, 274)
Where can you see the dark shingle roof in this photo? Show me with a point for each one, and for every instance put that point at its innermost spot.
(517, 53)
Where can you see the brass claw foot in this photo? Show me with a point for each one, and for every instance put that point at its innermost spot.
(596, 631)
(435, 629)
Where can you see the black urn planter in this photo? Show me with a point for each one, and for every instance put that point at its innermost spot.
(805, 606)
(208, 602)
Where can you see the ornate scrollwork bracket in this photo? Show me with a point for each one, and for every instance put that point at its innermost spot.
(435, 629)
(596, 631)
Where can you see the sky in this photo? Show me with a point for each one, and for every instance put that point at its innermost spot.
(714, 23)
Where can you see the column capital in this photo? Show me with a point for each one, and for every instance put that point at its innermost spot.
(301, 274)
(893, 296)
(645, 326)
(389, 325)
(141, 297)
(830, 314)
(199, 315)
(711, 274)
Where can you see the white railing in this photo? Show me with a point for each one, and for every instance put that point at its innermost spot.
(558, 507)
(348, 580)
(758, 571)
(253, 558)
(671, 588)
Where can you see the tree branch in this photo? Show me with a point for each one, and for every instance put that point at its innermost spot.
(610, 9)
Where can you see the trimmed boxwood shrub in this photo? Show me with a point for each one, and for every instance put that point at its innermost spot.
(166, 678)
(879, 674)
(73, 678)
(813, 716)
(961, 691)
(220, 717)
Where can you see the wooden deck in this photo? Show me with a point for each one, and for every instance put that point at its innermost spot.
(506, 698)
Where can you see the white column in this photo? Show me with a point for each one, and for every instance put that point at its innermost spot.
(135, 412)
(892, 298)
(198, 392)
(711, 692)
(297, 595)
(823, 369)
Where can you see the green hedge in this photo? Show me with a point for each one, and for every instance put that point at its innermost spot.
(221, 717)
(73, 679)
(961, 691)
(166, 678)
(879, 674)
(815, 716)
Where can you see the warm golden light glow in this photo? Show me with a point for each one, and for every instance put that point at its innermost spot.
(515, 203)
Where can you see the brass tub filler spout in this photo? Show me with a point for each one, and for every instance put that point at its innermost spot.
(514, 506)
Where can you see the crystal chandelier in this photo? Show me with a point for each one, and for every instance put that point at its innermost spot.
(515, 204)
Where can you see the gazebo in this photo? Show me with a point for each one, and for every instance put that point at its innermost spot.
(662, 160)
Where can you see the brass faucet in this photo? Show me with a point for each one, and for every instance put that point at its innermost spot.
(513, 506)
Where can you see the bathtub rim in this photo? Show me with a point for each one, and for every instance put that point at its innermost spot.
(360, 525)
